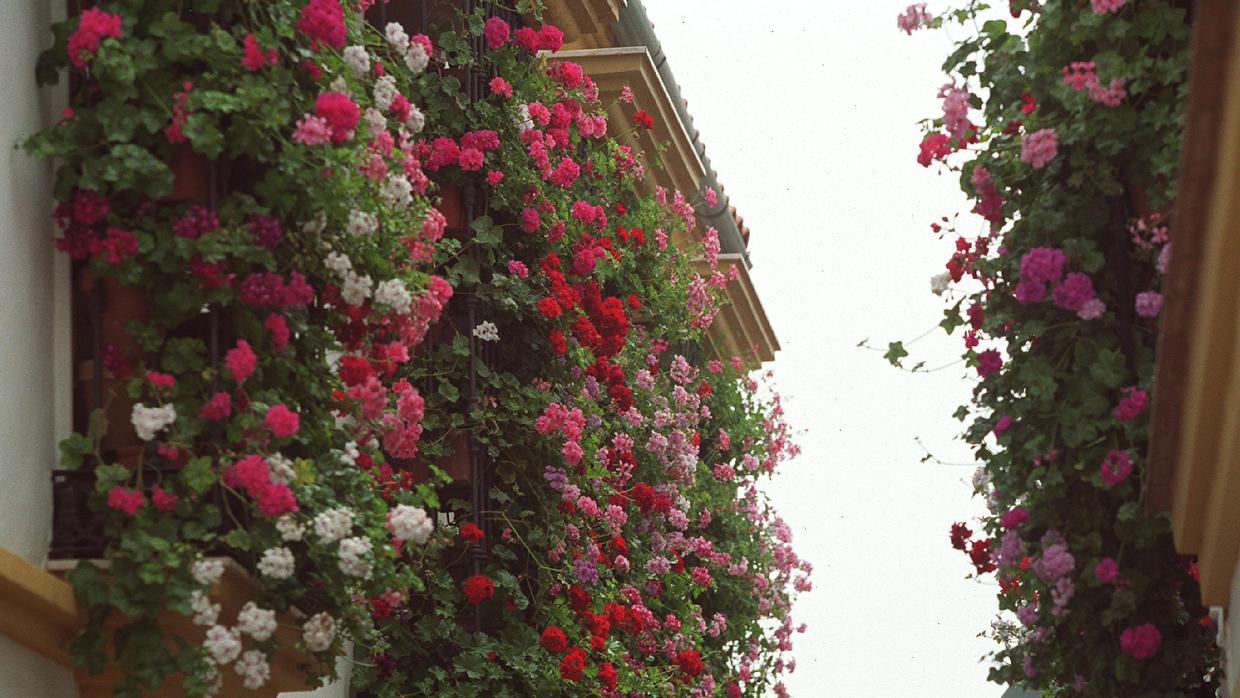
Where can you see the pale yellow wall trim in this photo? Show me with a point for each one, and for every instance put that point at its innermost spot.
(1204, 481)
(37, 608)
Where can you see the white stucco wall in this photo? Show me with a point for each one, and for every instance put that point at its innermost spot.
(34, 373)
(1229, 637)
(339, 689)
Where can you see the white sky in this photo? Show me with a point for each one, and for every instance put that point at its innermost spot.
(808, 109)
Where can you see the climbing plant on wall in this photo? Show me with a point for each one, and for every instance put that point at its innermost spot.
(1063, 121)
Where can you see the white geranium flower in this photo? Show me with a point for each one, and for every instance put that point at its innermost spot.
(319, 632)
(333, 524)
(361, 223)
(486, 331)
(207, 571)
(394, 295)
(149, 421)
(396, 36)
(258, 623)
(358, 60)
(277, 563)
(409, 523)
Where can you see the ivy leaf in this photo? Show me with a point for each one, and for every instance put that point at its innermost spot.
(88, 583)
(952, 318)
(1075, 427)
(895, 352)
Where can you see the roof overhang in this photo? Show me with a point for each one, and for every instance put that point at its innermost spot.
(613, 69)
(586, 23)
(741, 328)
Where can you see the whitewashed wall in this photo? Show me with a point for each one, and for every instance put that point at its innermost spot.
(34, 360)
(340, 689)
(1229, 637)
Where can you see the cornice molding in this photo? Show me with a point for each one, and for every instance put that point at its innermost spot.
(612, 69)
(586, 23)
(742, 328)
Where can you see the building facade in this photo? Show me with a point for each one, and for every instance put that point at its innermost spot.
(611, 39)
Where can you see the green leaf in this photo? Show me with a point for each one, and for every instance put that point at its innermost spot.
(485, 231)
(118, 120)
(895, 352)
(204, 135)
(88, 583)
(73, 450)
(952, 318)
(197, 475)
(129, 166)
(1108, 368)
(184, 355)
(109, 476)
(97, 425)
(449, 391)
(238, 539)
(472, 665)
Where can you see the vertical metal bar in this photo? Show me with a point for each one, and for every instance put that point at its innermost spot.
(213, 320)
(477, 553)
(96, 339)
(477, 469)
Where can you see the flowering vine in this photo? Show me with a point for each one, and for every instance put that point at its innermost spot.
(1070, 152)
(269, 196)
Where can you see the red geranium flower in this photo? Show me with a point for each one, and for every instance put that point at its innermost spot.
(960, 535)
(607, 675)
(644, 119)
(690, 663)
(553, 640)
(573, 664)
(478, 588)
(471, 533)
